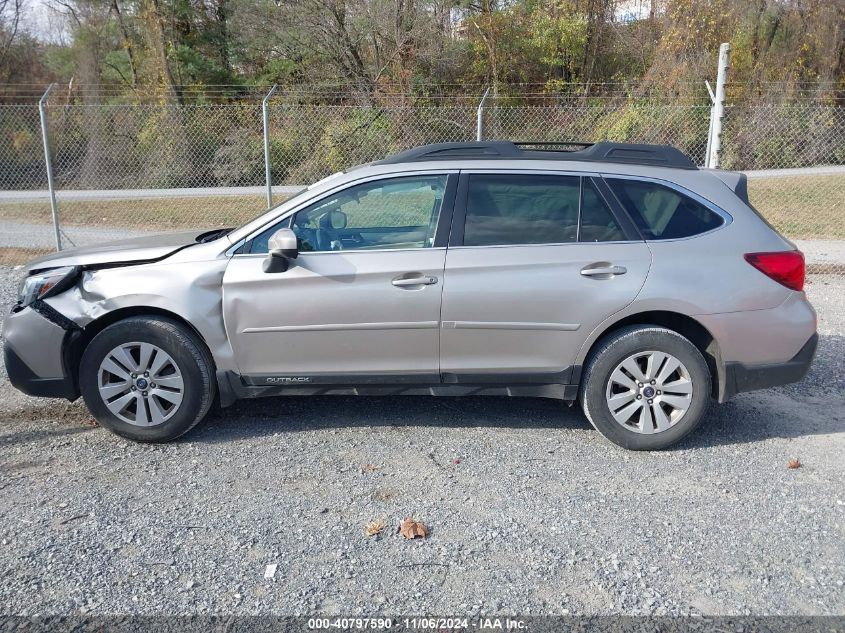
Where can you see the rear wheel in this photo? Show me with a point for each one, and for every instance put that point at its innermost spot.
(645, 387)
(147, 379)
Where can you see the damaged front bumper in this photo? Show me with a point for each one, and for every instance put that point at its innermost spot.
(36, 340)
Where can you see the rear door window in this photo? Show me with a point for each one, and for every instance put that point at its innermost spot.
(662, 213)
(521, 209)
(597, 222)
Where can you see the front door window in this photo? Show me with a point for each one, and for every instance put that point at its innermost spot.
(387, 214)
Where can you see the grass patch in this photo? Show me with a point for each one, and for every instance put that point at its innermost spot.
(142, 213)
(16, 256)
(802, 207)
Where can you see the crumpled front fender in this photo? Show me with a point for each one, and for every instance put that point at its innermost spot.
(191, 291)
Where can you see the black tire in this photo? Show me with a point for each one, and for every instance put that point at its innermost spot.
(613, 350)
(185, 348)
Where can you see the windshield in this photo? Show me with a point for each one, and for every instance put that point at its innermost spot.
(291, 199)
(286, 199)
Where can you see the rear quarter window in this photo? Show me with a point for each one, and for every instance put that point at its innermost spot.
(663, 213)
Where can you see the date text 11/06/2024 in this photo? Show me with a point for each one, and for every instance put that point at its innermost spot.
(419, 623)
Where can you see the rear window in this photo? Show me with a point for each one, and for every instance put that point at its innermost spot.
(662, 213)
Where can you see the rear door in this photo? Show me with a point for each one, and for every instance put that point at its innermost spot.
(536, 261)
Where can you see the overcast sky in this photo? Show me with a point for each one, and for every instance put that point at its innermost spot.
(42, 21)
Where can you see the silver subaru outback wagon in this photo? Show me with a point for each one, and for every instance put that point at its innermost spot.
(617, 275)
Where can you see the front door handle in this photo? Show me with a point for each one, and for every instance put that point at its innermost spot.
(603, 271)
(404, 282)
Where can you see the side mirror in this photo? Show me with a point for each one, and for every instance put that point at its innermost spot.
(282, 248)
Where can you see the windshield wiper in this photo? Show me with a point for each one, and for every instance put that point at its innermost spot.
(210, 236)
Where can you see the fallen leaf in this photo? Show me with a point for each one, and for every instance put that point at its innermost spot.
(411, 528)
(374, 527)
(368, 468)
(793, 463)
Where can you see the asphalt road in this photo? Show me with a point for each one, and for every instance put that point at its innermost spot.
(529, 510)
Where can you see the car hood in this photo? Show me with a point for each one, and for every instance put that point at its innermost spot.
(133, 250)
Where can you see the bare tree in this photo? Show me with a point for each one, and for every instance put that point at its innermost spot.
(127, 41)
(87, 20)
(10, 20)
(151, 10)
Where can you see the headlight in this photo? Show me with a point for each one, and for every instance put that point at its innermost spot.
(46, 284)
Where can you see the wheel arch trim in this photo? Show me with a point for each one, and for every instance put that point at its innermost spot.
(683, 324)
(75, 345)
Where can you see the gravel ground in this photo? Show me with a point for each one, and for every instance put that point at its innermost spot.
(530, 511)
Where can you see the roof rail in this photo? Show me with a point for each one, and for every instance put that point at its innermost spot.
(603, 152)
(558, 146)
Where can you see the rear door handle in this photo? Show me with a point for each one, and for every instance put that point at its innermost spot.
(606, 271)
(403, 282)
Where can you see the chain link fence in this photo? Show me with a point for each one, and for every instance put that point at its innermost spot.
(122, 170)
(310, 142)
(22, 167)
(794, 155)
(684, 127)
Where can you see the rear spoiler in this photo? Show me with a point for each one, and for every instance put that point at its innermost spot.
(736, 182)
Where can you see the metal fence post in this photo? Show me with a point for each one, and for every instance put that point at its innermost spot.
(717, 112)
(48, 163)
(710, 125)
(479, 117)
(265, 112)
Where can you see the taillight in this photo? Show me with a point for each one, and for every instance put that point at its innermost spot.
(785, 267)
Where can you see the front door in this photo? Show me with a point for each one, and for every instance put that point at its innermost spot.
(361, 302)
(535, 263)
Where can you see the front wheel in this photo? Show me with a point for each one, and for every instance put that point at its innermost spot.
(148, 379)
(645, 387)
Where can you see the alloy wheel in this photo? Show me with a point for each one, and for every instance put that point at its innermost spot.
(140, 383)
(649, 392)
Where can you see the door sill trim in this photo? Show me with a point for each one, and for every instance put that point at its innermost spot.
(289, 380)
(544, 385)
